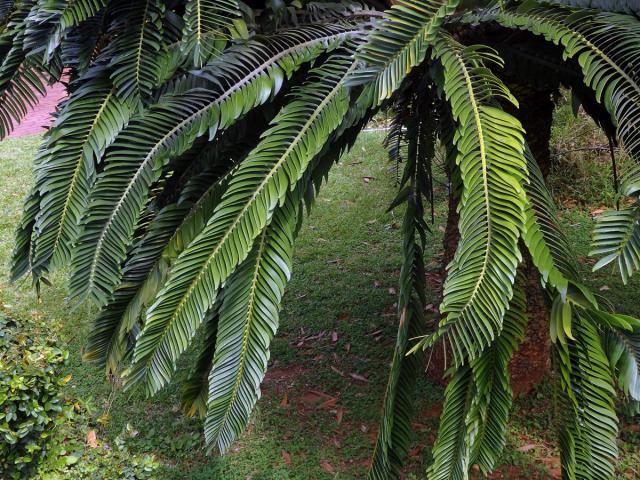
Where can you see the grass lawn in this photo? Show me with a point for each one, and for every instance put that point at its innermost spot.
(329, 362)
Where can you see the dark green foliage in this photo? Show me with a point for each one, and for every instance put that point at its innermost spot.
(173, 181)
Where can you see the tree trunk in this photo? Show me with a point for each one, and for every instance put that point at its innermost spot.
(531, 362)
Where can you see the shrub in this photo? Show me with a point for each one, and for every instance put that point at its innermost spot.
(31, 403)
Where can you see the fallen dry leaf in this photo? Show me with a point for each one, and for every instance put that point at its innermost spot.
(327, 467)
(285, 401)
(92, 440)
(334, 336)
(286, 457)
(339, 414)
(357, 376)
(527, 448)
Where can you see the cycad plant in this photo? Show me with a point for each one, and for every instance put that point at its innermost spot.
(197, 133)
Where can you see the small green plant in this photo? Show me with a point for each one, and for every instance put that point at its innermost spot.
(31, 403)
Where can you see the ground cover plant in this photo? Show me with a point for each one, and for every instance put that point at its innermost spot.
(196, 137)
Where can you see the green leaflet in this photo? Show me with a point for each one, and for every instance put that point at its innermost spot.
(260, 183)
(242, 79)
(491, 160)
(205, 22)
(248, 320)
(399, 42)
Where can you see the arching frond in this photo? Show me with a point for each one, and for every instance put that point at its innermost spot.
(205, 24)
(616, 235)
(136, 48)
(248, 321)
(52, 19)
(605, 45)
(623, 350)
(491, 160)
(146, 270)
(590, 425)
(87, 123)
(195, 389)
(477, 404)
(400, 42)
(620, 6)
(262, 180)
(395, 425)
(241, 80)
(545, 240)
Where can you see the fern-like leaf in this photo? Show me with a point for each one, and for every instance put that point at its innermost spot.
(491, 159)
(205, 24)
(241, 80)
(400, 42)
(261, 182)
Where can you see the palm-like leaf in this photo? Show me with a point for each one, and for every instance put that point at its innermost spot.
(616, 236)
(546, 242)
(492, 165)
(146, 270)
(205, 22)
(477, 403)
(87, 123)
(395, 426)
(248, 320)
(136, 48)
(623, 351)
(242, 79)
(298, 134)
(591, 426)
(605, 45)
(400, 42)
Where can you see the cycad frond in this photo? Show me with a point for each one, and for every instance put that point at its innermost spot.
(260, 183)
(146, 270)
(545, 240)
(620, 6)
(195, 389)
(400, 42)
(241, 79)
(205, 24)
(87, 123)
(248, 320)
(605, 45)
(395, 425)
(491, 160)
(616, 234)
(136, 49)
(623, 351)
(588, 446)
(477, 404)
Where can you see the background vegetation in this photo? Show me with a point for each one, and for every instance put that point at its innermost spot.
(329, 363)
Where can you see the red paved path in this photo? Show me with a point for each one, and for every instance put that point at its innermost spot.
(39, 118)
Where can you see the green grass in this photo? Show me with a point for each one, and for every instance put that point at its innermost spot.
(338, 321)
